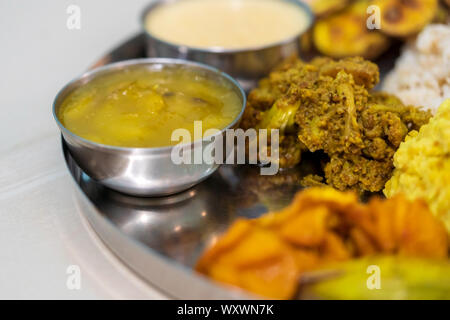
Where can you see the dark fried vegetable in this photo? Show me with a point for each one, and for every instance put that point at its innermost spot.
(402, 18)
(345, 34)
(324, 7)
(442, 14)
(358, 173)
(363, 72)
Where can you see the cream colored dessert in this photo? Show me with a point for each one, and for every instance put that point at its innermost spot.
(228, 24)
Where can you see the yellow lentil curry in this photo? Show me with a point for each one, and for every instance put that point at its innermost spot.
(140, 107)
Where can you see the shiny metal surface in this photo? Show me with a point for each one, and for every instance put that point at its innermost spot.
(141, 171)
(246, 65)
(180, 226)
(162, 238)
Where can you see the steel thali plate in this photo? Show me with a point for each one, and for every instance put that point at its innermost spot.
(162, 238)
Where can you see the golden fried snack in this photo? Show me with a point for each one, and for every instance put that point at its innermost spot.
(403, 227)
(402, 18)
(345, 34)
(268, 255)
(443, 14)
(324, 7)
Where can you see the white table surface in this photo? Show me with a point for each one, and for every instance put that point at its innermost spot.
(41, 231)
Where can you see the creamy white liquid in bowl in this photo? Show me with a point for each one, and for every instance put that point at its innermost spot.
(227, 24)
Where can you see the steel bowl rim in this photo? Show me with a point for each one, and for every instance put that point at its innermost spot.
(220, 50)
(90, 74)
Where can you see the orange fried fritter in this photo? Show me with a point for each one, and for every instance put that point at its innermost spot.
(358, 172)
(399, 226)
(269, 272)
(268, 255)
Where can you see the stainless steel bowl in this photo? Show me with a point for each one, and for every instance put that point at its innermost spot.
(246, 65)
(141, 171)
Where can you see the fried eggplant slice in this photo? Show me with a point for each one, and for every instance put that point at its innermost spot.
(345, 34)
(402, 18)
(323, 8)
(443, 14)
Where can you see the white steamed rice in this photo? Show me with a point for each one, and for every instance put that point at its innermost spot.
(422, 73)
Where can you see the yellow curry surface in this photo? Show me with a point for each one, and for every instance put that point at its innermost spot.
(140, 108)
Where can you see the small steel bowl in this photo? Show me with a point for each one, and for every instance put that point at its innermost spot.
(246, 65)
(142, 171)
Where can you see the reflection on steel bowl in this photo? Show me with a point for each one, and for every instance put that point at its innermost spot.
(248, 58)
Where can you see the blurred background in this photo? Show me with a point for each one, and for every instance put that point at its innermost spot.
(41, 231)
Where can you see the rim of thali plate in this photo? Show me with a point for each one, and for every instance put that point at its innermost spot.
(221, 50)
(113, 238)
(87, 76)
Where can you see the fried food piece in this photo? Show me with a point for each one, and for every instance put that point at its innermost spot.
(400, 226)
(312, 180)
(313, 224)
(324, 7)
(268, 255)
(443, 14)
(402, 18)
(345, 34)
